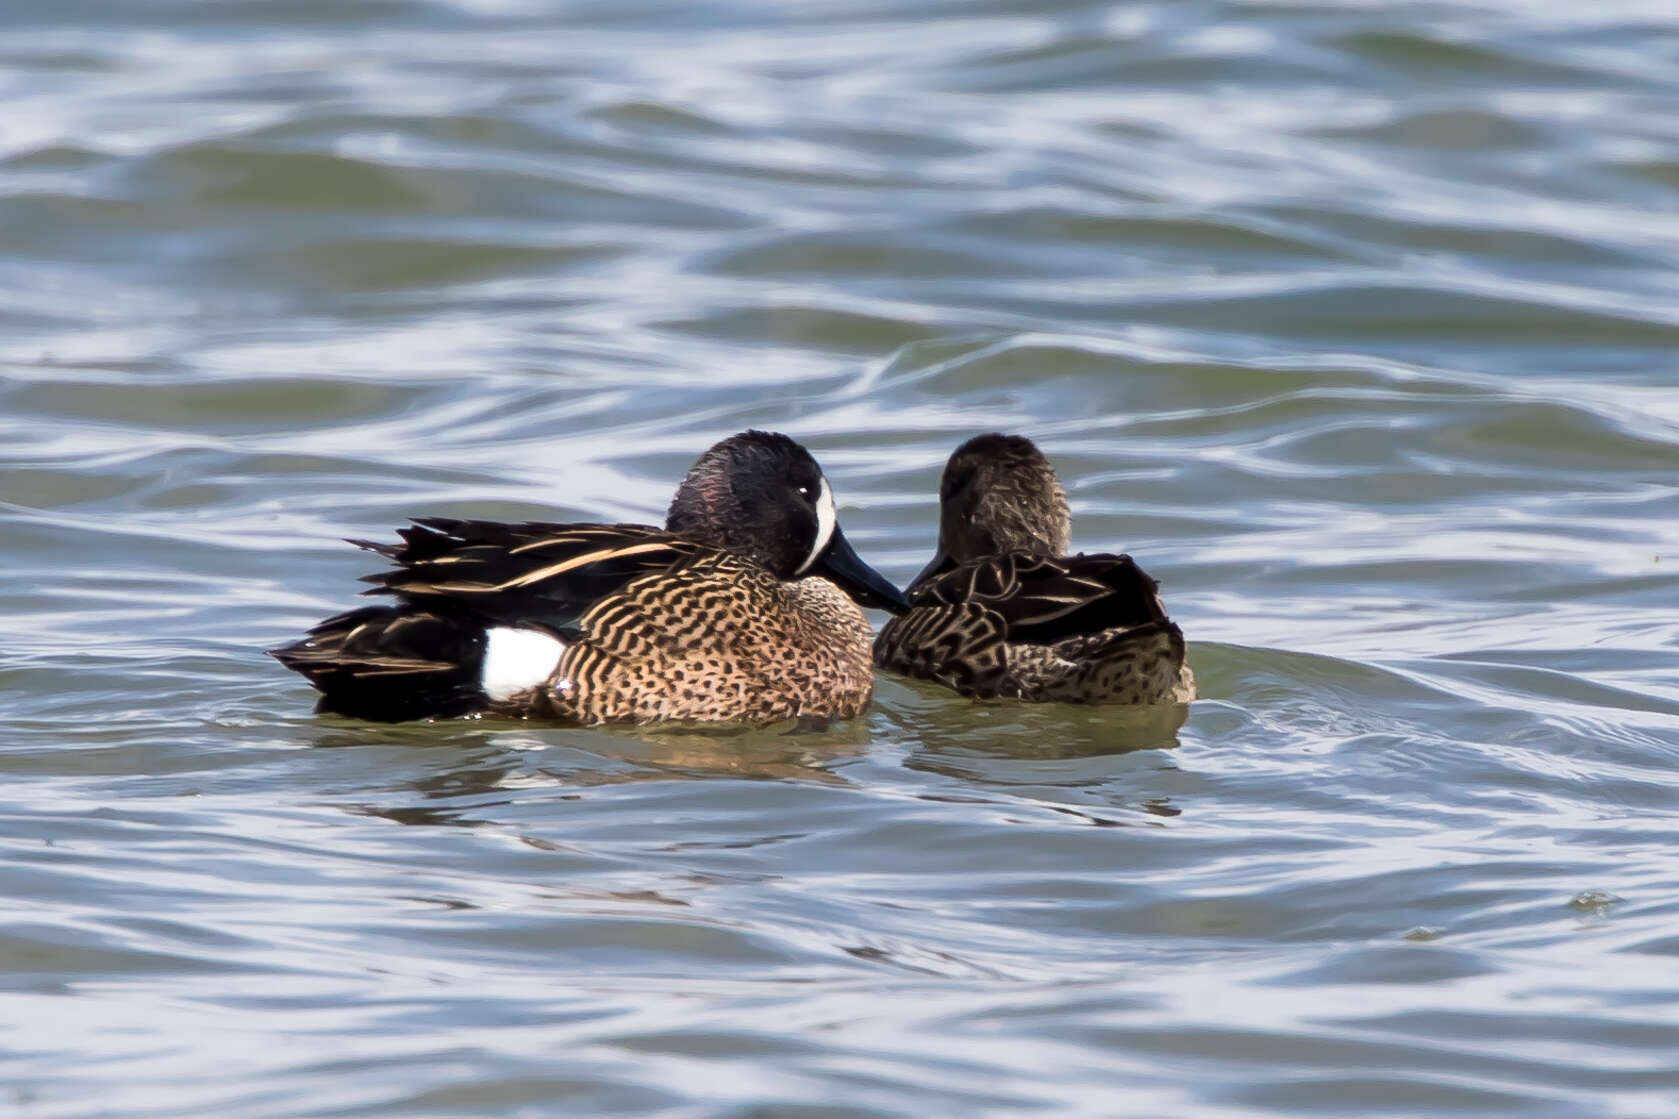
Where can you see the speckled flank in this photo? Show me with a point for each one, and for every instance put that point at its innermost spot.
(1140, 665)
(722, 640)
(961, 647)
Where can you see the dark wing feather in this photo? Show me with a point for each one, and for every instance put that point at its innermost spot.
(1042, 600)
(527, 573)
(393, 663)
(961, 646)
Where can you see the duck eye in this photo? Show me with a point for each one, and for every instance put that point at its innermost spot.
(804, 491)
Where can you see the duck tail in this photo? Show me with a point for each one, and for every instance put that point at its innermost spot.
(393, 663)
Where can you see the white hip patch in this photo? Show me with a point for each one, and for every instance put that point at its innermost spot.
(518, 659)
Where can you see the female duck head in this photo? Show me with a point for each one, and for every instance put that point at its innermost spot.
(761, 495)
(999, 494)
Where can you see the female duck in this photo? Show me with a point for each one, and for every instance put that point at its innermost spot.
(1003, 611)
(736, 611)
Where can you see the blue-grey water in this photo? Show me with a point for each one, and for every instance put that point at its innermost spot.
(1357, 323)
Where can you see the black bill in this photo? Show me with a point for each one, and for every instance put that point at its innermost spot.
(938, 565)
(863, 583)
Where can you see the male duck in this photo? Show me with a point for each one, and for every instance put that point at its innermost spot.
(1003, 611)
(736, 611)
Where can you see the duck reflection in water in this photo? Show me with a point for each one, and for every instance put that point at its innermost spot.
(507, 760)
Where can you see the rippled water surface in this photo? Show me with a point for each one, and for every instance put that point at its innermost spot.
(1356, 323)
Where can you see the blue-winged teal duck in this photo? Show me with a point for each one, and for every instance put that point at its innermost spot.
(736, 611)
(1003, 611)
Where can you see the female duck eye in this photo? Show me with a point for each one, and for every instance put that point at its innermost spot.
(804, 491)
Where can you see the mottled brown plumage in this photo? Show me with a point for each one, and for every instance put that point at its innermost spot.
(727, 619)
(1003, 611)
(783, 649)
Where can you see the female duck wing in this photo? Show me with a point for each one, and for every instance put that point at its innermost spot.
(530, 573)
(1041, 600)
(959, 645)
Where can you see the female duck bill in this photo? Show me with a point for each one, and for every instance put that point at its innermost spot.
(938, 565)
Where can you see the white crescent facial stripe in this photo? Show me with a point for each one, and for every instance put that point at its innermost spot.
(825, 520)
